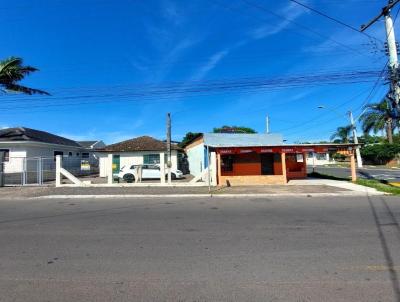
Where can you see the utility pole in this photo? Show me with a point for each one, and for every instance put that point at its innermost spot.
(392, 50)
(267, 124)
(169, 147)
(355, 139)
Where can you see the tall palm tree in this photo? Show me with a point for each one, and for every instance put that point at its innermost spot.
(342, 133)
(12, 71)
(377, 117)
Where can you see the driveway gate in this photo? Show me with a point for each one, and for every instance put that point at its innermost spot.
(21, 171)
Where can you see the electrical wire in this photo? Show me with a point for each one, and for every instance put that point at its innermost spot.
(262, 8)
(334, 19)
(199, 88)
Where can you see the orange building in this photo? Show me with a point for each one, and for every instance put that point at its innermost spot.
(255, 159)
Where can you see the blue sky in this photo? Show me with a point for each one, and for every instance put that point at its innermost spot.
(104, 48)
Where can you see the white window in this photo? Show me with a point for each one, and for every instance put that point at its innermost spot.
(6, 154)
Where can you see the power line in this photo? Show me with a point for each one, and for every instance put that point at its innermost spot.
(206, 87)
(262, 8)
(334, 19)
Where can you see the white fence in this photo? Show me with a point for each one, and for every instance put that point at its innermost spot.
(65, 176)
(21, 171)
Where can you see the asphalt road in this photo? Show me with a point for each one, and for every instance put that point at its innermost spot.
(210, 249)
(376, 173)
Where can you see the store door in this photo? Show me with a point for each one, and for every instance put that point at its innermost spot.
(267, 164)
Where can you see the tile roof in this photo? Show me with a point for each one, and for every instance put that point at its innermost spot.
(32, 135)
(142, 143)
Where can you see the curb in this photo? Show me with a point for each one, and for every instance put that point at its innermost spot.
(338, 194)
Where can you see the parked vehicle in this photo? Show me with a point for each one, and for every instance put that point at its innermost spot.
(129, 174)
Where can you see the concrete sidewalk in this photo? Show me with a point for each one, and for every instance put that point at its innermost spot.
(295, 188)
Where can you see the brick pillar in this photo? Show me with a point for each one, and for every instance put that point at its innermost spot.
(353, 167)
(283, 159)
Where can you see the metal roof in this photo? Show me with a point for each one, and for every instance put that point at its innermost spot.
(241, 140)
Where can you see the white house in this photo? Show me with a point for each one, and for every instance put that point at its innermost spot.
(319, 159)
(29, 152)
(137, 151)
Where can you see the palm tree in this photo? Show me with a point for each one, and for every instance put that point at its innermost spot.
(12, 71)
(342, 133)
(377, 117)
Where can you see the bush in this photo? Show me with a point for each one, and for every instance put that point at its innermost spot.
(338, 157)
(380, 154)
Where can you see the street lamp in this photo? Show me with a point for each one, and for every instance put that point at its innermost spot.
(354, 130)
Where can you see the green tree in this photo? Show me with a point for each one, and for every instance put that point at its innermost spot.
(189, 137)
(380, 153)
(342, 134)
(12, 71)
(378, 117)
(234, 129)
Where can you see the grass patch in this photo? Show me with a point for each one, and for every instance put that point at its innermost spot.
(326, 176)
(380, 185)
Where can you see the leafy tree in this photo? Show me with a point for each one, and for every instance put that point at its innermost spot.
(234, 129)
(380, 153)
(13, 71)
(188, 137)
(371, 139)
(377, 117)
(342, 134)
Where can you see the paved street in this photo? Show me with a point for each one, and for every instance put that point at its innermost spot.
(377, 173)
(203, 249)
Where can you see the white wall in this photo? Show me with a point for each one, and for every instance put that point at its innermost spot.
(132, 158)
(20, 150)
(320, 160)
(196, 159)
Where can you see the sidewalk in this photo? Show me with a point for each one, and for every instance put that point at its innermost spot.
(300, 188)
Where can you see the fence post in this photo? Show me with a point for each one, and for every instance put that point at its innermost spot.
(58, 170)
(40, 171)
(162, 168)
(24, 172)
(110, 169)
(1, 168)
(213, 166)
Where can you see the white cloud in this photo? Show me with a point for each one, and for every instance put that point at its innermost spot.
(211, 63)
(291, 13)
(171, 12)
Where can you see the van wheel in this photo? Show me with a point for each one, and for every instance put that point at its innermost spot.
(129, 178)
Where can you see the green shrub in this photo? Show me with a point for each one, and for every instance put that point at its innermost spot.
(380, 154)
(338, 157)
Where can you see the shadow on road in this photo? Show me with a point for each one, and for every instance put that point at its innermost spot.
(366, 174)
(385, 247)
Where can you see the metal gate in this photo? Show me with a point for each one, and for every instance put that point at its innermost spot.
(22, 171)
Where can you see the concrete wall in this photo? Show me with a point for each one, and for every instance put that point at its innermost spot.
(131, 158)
(195, 156)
